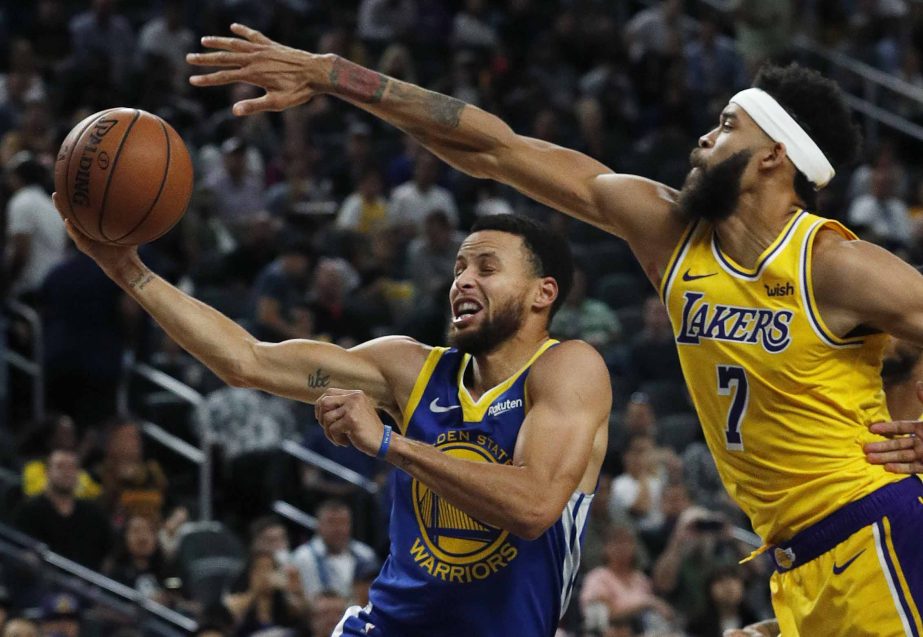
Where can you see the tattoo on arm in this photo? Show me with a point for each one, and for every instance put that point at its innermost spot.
(143, 278)
(445, 110)
(318, 379)
(364, 85)
(357, 82)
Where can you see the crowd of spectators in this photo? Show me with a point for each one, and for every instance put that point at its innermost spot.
(323, 223)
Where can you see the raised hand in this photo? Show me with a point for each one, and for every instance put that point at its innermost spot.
(288, 75)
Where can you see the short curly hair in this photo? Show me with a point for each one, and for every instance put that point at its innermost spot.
(819, 106)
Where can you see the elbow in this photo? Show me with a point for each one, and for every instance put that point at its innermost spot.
(532, 523)
(239, 371)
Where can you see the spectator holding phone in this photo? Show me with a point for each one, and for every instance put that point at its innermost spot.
(273, 598)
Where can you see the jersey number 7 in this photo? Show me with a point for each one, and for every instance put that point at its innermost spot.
(731, 377)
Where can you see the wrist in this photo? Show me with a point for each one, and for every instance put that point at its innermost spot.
(129, 272)
(320, 77)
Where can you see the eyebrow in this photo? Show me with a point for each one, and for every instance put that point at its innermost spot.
(727, 115)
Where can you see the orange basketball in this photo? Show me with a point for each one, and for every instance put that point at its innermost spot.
(123, 176)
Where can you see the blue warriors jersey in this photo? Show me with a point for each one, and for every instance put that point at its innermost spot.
(448, 574)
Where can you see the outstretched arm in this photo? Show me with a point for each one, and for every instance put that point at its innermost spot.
(465, 136)
(559, 449)
(298, 369)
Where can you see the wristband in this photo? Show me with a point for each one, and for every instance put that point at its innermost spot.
(385, 443)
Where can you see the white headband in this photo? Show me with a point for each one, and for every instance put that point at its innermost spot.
(781, 127)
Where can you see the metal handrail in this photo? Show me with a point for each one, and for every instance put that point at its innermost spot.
(33, 368)
(295, 514)
(202, 456)
(23, 542)
(313, 458)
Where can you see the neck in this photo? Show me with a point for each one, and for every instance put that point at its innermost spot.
(491, 369)
(63, 503)
(756, 223)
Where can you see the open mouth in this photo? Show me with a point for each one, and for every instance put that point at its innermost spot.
(464, 311)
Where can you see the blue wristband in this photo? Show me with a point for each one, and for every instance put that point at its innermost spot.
(385, 443)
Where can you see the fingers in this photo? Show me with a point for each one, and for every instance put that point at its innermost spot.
(228, 44)
(897, 427)
(218, 78)
(251, 34)
(893, 444)
(257, 105)
(904, 467)
(218, 58)
(903, 455)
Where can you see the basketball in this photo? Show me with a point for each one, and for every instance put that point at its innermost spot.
(124, 176)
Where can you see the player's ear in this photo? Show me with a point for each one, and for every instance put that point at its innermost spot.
(546, 293)
(772, 156)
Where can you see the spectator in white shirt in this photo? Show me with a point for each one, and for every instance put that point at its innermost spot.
(37, 237)
(331, 559)
(880, 216)
(413, 201)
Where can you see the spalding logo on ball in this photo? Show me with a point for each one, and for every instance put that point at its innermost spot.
(124, 176)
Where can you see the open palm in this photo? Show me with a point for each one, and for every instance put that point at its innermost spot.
(285, 73)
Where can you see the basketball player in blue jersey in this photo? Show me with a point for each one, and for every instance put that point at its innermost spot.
(500, 438)
(780, 316)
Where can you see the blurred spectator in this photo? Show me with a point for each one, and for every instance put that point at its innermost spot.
(764, 29)
(326, 611)
(57, 431)
(656, 30)
(132, 483)
(598, 523)
(714, 70)
(638, 490)
(490, 201)
(49, 34)
(700, 542)
(585, 318)
(169, 38)
(366, 209)
(86, 320)
(138, 561)
(34, 132)
(431, 256)
(238, 190)
(381, 21)
(21, 84)
(304, 192)
(472, 28)
(880, 216)
(76, 529)
(347, 169)
(336, 317)
(412, 201)
(331, 559)
(397, 62)
(20, 627)
(273, 598)
(36, 233)
(726, 608)
(268, 534)
(652, 353)
(700, 475)
(103, 42)
(279, 294)
(618, 590)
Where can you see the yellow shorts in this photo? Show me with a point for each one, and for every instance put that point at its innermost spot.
(870, 584)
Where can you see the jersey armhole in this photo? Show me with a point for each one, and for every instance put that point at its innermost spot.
(812, 312)
(675, 259)
(419, 386)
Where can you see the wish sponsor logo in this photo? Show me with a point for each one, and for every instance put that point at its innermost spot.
(505, 406)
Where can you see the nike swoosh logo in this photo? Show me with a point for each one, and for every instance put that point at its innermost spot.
(435, 407)
(693, 277)
(839, 569)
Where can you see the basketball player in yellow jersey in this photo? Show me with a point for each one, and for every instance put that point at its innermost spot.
(780, 315)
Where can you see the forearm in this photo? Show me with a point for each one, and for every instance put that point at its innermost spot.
(666, 570)
(501, 495)
(461, 134)
(215, 340)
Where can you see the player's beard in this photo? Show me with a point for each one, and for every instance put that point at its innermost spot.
(493, 332)
(712, 192)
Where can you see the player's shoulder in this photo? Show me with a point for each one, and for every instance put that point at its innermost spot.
(568, 362)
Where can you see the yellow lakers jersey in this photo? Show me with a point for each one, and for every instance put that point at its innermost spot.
(785, 404)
